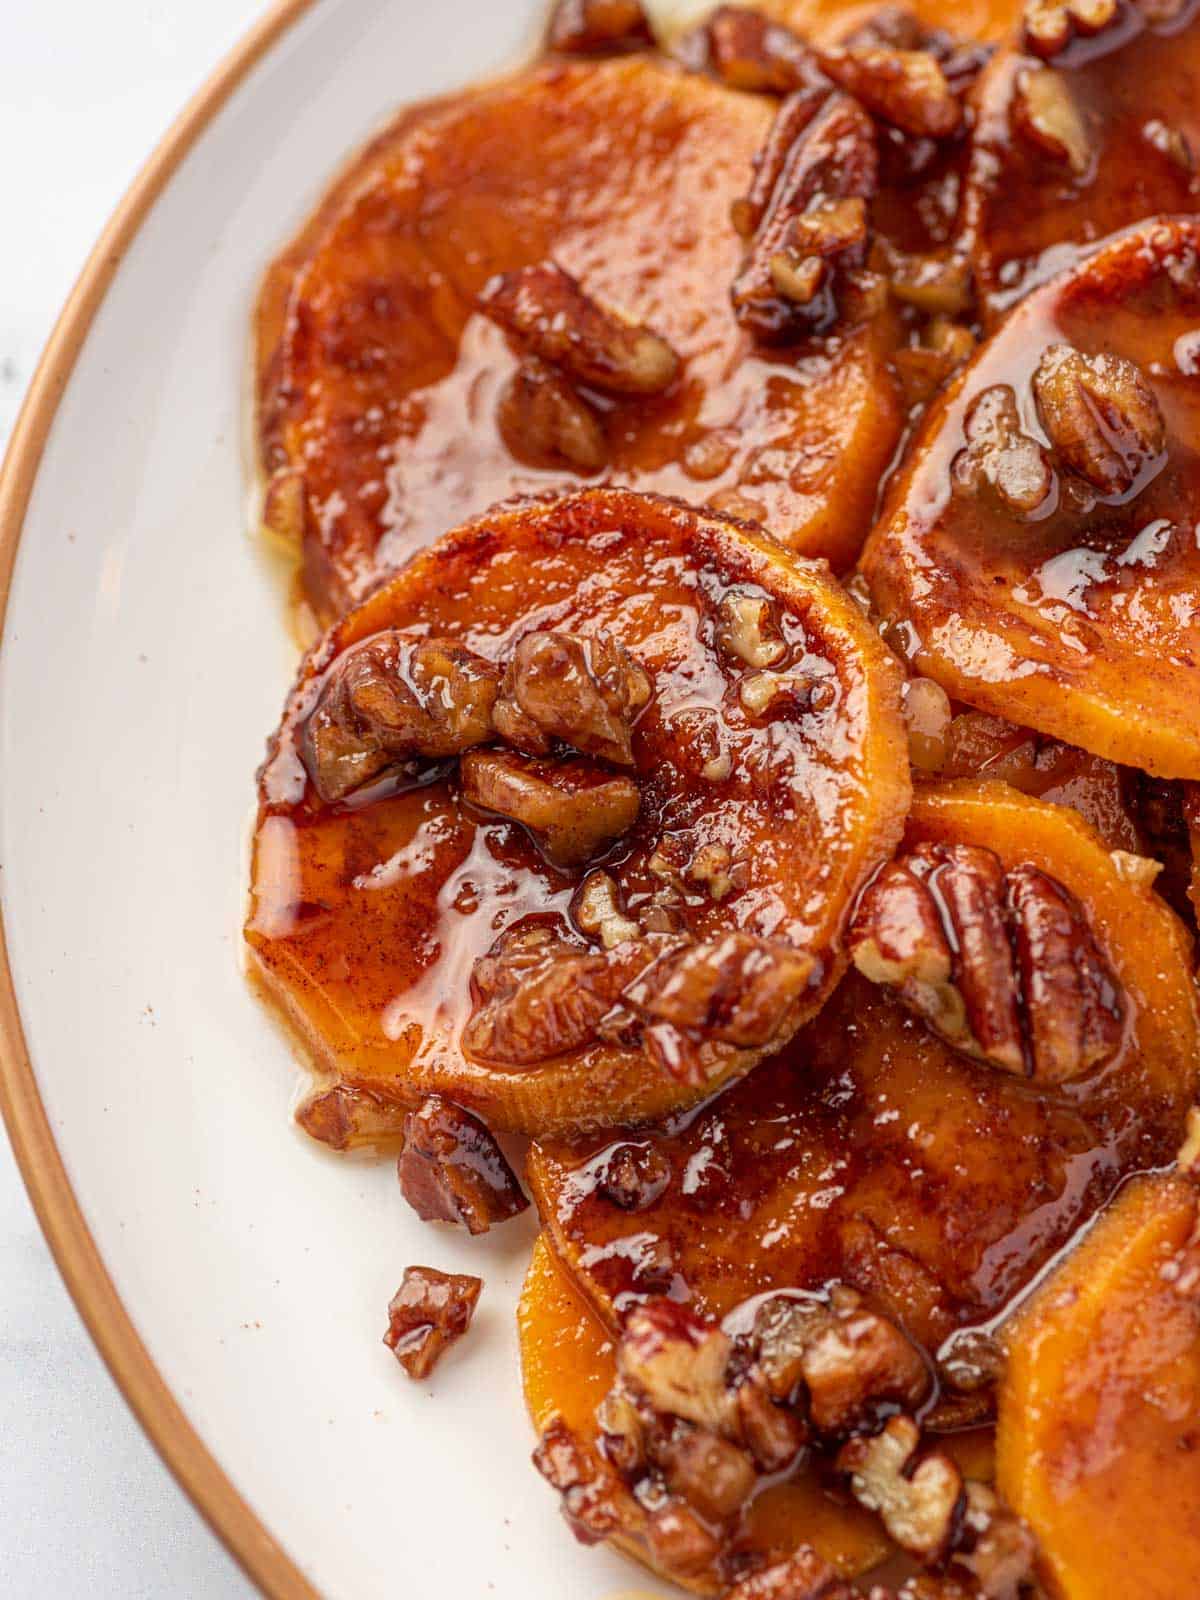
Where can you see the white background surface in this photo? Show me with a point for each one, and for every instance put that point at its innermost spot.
(88, 1509)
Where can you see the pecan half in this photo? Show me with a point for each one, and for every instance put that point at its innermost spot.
(550, 312)
(789, 122)
(904, 87)
(599, 27)
(1101, 416)
(536, 997)
(573, 809)
(1050, 25)
(1044, 112)
(452, 1170)
(392, 698)
(429, 1312)
(849, 1359)
(737, 988)
(585, 690)
(832, 160)
(546, 423)
(1004, 967)
(1000, 458)
(920, 1501)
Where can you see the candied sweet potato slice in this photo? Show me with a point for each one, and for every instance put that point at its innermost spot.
(1098, 137)
(1098, 1442)
(842, 1158)
(1037, 553)
(568, 1367)
(383, 381)
(421, 940)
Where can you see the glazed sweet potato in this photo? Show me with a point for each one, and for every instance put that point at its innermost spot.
(1099, 1417)
(1036, 556)
(565, 821)
(842, 1158)
(386, 394)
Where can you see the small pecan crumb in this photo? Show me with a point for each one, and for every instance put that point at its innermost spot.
(452, 1170)
(429, 1312)
(391, 698)
(1045, 113)
(633, 1175)
(1101, 415)
(1050, 25)
(545, 423)
(560, 322)
(586, 690)
(599, 27)
(928, 714)
(919, 1502)
(1000, 457)
(596, 910)
(573, 809)
(1188, 1159)
(710, 867)
(747, 630)
(904, 87)
(937, 284)
(283, 508)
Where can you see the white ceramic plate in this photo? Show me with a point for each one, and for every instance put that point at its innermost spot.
(144, 660)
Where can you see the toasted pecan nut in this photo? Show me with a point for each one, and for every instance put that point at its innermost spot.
(737, 988)
(573, 809)
(598, 27)
(748, 50)
(711, 1473)
(680, 1364)
(586, 690)
(1044, 112)
(747, 629)
(1001, 965)
(1102, 417)
(452, 1170)
(920, 1501)
(596, 909)
(595, 1503)
(1000, 457)
(1050, 25)
(550, 311)
(391, 699)
(547, 423)
(429, 1312)
(790, 121)
(904, 87)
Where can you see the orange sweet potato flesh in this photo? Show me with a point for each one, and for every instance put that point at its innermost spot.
(1098, 1443)
(567, 1367)
(844, 1157)
(829, 19)
(366, 918)
(1023, 209)
(1082, 621)
(379, 380)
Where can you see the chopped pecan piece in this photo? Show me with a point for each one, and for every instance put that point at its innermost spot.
(546, 423)
(550, 312)
(737, 988)
(597, 912)
(452, 1170)
(595, 1502)
(599, 27)
(711, 1473)
(712, 867)
(679, 1542)
(849, 1358)
(928, 715)
(994, 1545)
(1045, 113)
(1101, 415)
(392, 698)
(918, 1502)
(772, 1433)
(634, 1176)
(538, 997)
(429, 1312)
(573, 809)
(803, 1576)
(1000, 457)
(1050, 25)
(941, 926)
(747, 630)
(832, 160)
(937, 284)
(679, 1363)
(904, 87)
(747, 50)
(971, 1361)
(583, 689)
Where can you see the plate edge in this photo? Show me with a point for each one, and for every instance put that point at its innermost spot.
(79, 1261)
